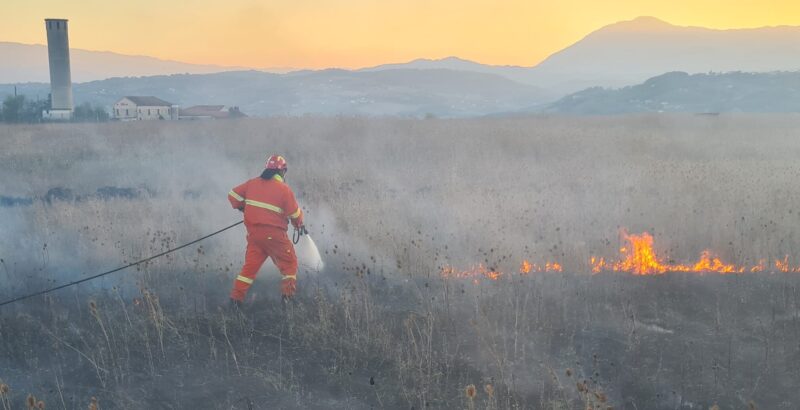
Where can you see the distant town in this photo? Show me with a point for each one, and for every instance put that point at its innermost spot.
(60, 106)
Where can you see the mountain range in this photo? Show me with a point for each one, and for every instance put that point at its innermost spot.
(22, 63)
(620, 54)
(695, 93)
(630, 52)
(396, 92)
(623, 56)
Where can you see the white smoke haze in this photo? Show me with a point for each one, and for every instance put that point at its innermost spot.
(544, 188)
(390, 202)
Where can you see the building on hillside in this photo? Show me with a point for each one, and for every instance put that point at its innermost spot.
(133, 108)
(206, 112)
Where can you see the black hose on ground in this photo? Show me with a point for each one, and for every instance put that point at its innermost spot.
(66, 285)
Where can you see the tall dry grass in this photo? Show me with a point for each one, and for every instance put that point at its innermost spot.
(390, 202)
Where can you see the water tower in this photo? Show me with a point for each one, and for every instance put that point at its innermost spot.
(60, 78)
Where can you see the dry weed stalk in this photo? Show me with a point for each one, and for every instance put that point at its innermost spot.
(33, 404)
(4, 393)
(157, 316)
(471, 392)
(489, 389)
(593, 398)
(95, 312)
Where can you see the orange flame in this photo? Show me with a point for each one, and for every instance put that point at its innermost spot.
(474, 272)
(637, 257)
(480, 271)
(640, 258)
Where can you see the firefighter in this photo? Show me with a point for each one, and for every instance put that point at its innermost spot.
(268, 204)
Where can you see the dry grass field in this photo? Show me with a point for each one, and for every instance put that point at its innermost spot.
(391, 203)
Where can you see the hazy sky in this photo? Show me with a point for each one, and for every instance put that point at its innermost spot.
(358, 33)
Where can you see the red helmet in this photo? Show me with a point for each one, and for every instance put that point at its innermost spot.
(276, 162)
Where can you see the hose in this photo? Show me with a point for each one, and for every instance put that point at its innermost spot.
(66, 285)
(298, 232)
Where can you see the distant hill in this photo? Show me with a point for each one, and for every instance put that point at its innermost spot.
(20, 63)
(698, 93)
(515, 73)
(400, 92)
(617, 55)
(630, 52)
(439, 92)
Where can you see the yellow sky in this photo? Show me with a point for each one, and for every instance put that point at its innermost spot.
(359, 33)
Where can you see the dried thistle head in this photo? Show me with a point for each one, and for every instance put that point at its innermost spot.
(4, 389)
(752, 405)
(569, 372)
(489, 389)
(601, 397)
(40, 405)
(30, 402)
(470, 391)
(581, 386)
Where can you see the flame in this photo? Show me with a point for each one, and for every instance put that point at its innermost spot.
(474, 272)
(783, 265)
(481, 271)
(640, 258)
(637, 257)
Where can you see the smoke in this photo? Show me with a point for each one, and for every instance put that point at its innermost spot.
(418, 194)
(393, 201)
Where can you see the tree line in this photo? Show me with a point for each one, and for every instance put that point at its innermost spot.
(19, 109)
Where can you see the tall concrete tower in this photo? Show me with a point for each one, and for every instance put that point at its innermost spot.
(60, 78)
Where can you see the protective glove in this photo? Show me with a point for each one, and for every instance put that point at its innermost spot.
(297, 222)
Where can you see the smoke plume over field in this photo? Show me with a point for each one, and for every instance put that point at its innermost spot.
(392, 205)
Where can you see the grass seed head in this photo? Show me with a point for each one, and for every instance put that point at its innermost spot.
(601, 397)
(471, 391)
(93, 404)
(489, 389)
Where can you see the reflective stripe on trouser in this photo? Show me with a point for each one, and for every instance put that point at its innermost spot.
(263, 243)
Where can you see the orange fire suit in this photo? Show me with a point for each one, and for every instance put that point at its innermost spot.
(268, 204)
